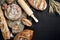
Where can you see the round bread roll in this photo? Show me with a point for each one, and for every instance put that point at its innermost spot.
(13, 12)
(38, 4)
(16, 26)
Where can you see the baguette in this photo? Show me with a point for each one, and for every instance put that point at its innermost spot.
(3, 26)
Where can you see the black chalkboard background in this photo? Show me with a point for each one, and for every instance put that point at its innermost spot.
(48, 27)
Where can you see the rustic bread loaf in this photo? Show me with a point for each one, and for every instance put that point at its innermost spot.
(38, 4)
(24, 35)
(3, 26)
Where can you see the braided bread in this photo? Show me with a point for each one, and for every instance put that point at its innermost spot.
(24, 35)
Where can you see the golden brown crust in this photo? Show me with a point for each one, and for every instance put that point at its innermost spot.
(26, 34)
(6, 35)
(37, 4)
(4, 28)
(26, 22)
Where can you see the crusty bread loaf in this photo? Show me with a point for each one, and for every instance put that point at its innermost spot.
(24, 35)
(38, 4)
(4, 28)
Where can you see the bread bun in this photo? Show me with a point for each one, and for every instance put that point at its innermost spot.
(26, 22)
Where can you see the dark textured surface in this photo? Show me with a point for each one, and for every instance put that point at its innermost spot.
(48, 27)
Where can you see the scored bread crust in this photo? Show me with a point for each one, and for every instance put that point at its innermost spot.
(26, 22)
(27, 34)
(38, 4)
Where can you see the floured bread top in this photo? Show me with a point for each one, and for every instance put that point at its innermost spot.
(13, 12)
(38, 4)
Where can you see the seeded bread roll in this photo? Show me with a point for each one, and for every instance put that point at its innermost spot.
(24, 35)
(38, 4)
(13, 12)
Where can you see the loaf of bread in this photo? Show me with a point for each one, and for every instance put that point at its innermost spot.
(38, 4)
(24, 35)
(3, 26)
